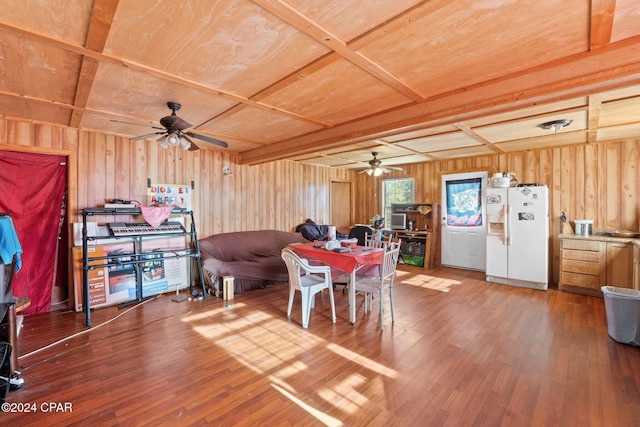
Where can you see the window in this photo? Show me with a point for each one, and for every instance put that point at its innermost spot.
(396, 191)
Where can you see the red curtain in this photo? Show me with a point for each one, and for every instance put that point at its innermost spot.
(32, 189)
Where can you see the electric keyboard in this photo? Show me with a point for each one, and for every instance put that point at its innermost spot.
(119, 229)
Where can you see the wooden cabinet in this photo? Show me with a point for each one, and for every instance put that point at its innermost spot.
(428, 241)
(582, 265)
(619, 265)
(424, 216)
(588, 264)
(425, 233)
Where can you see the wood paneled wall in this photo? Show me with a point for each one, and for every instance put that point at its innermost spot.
(598, 181)
(595, 181)
(277, 195)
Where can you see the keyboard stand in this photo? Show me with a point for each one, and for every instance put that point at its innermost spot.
(191, 251)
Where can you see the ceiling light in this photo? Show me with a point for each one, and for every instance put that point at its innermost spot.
(184, 144)
(173, 139)
(377, 172)
(162, 142)
(556, 125)
(369, 171)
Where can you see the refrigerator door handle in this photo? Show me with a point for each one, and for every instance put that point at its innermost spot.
(507, 224)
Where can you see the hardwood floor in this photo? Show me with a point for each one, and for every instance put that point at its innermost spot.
(462, 352)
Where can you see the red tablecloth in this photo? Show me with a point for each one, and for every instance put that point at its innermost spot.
(357, 259)
(345, 261)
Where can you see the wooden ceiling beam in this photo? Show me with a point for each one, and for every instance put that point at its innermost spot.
(607, 68)
(102, 57)
(475, 135)
(325, 37)
(595, 107)
(300, 74)
(87, 75)
(100, 24)
(420, 10)
(602, 12)
(101, 20)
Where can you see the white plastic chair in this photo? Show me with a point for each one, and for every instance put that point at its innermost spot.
(371, 242)
(370, 286)
(309, 280)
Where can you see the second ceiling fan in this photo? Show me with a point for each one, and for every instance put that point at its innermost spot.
(375, 167)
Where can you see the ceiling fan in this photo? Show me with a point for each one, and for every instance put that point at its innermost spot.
(375, 169)
(174, 131)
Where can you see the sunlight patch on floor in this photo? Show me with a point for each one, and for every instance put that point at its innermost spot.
(209, 313)
(320, 416)
(367, 363)
(425, 281)
(276, 348)
(344, 393)
(288, 371)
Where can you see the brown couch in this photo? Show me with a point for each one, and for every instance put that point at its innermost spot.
(251, 257)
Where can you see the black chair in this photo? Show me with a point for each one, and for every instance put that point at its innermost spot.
(359, 232)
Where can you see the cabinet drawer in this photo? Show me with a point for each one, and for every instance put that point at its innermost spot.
(584, 245)
(581, 255)
(581, 267)
(580, 280)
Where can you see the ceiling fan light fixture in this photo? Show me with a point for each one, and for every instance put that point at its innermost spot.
(184, 144)
(162, 142)
(556, 125)
(375, 167)
(173, 139)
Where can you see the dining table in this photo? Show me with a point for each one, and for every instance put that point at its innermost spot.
(349, 261)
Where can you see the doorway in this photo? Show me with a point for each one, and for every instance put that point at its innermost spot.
(341, 206)
(463, 221)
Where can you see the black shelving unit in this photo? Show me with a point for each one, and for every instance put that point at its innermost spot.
(138, 257)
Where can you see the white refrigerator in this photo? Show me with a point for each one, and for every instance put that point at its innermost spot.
(518, 236)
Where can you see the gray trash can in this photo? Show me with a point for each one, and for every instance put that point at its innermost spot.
(622, 306)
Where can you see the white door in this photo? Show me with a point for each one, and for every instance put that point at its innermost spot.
(464, 220)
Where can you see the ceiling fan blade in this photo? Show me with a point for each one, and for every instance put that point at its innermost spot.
(193, 146)
(148, 135)
(207, 138)
(175, 122)
(137, 124)
(394, 168)
(363, 171)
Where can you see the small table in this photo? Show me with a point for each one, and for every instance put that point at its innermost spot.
(349, 262)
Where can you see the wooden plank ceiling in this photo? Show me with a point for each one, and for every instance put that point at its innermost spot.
(328, 82)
